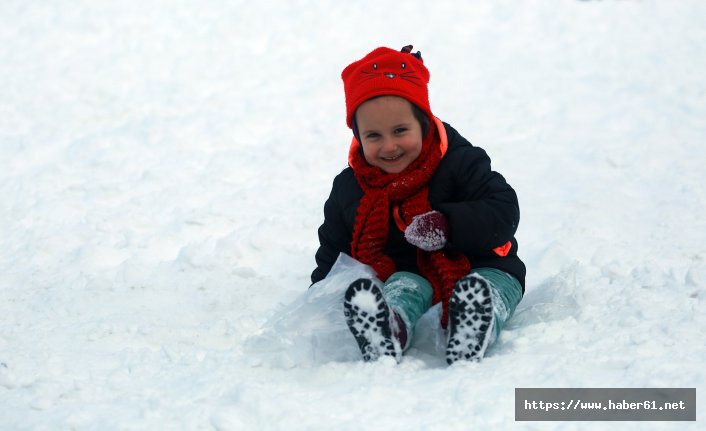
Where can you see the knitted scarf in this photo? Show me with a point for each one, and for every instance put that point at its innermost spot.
(406, 195)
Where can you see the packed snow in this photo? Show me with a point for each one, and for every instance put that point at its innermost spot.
(163, 169)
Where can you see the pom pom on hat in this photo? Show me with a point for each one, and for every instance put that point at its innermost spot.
(386, 72)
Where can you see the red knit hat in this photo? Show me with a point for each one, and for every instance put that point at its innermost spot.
(385, 71)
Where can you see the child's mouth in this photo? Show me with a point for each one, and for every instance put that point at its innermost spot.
(392, 159)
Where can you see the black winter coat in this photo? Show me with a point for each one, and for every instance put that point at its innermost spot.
(481, 208)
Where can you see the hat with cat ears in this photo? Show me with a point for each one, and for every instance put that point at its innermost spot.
(385, 71)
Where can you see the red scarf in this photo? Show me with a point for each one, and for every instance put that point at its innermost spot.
(406, 195)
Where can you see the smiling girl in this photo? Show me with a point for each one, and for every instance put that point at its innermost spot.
(422, 207)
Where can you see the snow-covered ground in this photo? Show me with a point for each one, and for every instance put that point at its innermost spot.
(163, 168)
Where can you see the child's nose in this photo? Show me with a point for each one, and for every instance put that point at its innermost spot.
(388, 144)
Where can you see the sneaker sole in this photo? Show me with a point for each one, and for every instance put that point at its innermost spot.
(471, 319)
(368, 318)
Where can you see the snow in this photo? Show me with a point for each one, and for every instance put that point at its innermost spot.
(163, 169)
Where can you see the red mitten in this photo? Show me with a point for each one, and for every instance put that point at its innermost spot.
(428, 231)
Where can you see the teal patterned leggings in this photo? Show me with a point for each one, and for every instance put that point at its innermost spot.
(410, 295)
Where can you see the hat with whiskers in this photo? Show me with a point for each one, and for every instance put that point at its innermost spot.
(386, 72)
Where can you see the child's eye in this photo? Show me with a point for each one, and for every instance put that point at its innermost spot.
(400, 130)
(372, 135)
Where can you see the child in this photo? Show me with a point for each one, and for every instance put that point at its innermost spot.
(422, 207)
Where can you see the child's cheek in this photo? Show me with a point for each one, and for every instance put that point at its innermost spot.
(369, 154)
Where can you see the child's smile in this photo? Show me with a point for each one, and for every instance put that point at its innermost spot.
(391, 136)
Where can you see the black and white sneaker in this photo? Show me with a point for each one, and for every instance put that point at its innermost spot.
(368, 318)
(471, 320)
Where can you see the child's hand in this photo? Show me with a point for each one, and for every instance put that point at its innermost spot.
(428, 231)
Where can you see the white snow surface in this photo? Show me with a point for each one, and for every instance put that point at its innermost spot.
(163, 169)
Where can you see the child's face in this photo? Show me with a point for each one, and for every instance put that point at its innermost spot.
(391, 136)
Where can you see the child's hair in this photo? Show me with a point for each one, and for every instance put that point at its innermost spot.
(418, 113)
(424, 121)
